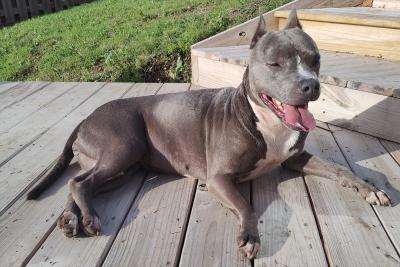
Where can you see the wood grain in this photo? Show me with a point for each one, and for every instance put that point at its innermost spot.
(392, 148)
(19, 92)
(289, 234)
(153, 229)
(14, 140)
(170, 88)
(386, 4)
(365, 112)
(351, 231)
(363, 16)
(369, 160)
(4, 86)
(211, 234)
(341, 69)
(16, 113)
(215, 74)
(111, 208)
(24, 169)
(362, 40)
(242, 34)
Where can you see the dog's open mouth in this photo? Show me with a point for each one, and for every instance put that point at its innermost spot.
(296, 117)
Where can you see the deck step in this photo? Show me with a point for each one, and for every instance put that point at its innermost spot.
(353, 71)
(361, 30)
(386, 3)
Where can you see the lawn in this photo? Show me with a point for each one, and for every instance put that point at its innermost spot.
(119, 40)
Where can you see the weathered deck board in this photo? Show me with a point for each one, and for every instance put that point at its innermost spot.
(15, 140)
(289, 234)
(153, 230)
(26, 223)
(350, 229)
(369, 159)
(19, 92)
(27, 166)
(205, 234)
(360, 111)
(112, 209)
(4, 86)
(392, 148)
(16, 113)
(211, 234)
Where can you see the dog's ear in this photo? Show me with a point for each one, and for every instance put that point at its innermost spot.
(260, 31)
(293, 21)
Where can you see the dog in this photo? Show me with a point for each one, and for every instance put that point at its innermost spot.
(230, 135)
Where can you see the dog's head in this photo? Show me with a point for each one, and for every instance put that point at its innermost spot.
(283, 72)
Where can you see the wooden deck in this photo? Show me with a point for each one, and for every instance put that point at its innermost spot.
(158, 220)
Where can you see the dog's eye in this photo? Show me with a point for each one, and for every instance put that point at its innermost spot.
(273, 64)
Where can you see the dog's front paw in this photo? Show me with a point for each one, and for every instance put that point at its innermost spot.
(249, 243)
(378, 198)
(68, 223)
(91, 225)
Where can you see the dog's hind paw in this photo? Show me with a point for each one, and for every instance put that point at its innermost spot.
(91, 225)
(68, 223)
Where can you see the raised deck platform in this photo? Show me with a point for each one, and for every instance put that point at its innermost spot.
(158, 220)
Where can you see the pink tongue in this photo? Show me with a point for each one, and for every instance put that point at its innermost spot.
(299, 115)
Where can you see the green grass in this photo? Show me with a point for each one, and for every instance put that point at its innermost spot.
(119, 40)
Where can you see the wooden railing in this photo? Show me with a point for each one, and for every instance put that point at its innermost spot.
(13, 11)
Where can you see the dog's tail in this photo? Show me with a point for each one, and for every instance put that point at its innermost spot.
(61, 165)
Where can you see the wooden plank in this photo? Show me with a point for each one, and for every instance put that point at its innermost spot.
(242, 34)
(211, 233)
(112, 211)
(143, 89)
(16, 113)
(195, 68)
(393, 148)
(360, 72)
(196, 87)
(364, 16)
(340, 69)
(26, 224)
(15, 140)
(289, 234)
(356, 110)
(111, 208)
(157, 220)
(215, 74)
(152, 232)
(386, 4)
(169, 88)
(340, 210)
(4, 86)
(19, 92)
(362, 40)
(369, 160)
(26, 167)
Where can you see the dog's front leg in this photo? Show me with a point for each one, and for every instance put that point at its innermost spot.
(224, 188)
(310, 164)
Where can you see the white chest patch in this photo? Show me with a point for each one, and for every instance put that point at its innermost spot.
(277, 136)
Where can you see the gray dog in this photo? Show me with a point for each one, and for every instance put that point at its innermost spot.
(231, 135)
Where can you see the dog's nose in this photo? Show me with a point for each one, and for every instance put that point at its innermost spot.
(310, 87)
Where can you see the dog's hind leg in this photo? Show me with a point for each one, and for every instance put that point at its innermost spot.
(110, 165)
